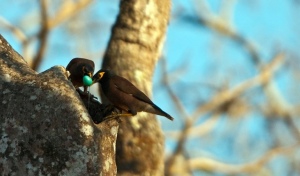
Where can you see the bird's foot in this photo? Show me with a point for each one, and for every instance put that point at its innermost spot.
(111, 108)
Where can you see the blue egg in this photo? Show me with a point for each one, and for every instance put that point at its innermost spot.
(87, 81)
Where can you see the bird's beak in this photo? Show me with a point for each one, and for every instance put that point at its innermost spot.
(97, 77)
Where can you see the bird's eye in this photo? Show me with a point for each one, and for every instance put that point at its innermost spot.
(85, 70)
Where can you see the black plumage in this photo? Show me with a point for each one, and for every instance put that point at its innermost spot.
(79, 67)
(124, 95)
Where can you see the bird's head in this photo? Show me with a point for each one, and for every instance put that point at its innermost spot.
(99, 75)
(87, 71)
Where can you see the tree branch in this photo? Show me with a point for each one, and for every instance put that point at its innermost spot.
(67, 10)
(219, 99)
(43, 36)
(211, 165)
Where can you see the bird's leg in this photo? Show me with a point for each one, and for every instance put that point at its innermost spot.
(110, 108)
(85, 88)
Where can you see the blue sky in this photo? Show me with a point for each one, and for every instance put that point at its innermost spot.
(206, 56)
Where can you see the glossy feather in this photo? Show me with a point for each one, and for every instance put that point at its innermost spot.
(124, 95)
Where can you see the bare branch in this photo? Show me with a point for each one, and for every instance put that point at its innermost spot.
(18, 33)
(174, 97)
(199, 130)
(216, 102)
(280, 106)
(227, 95)
(211, 165)
(43, 36)
(67, 10)
(223, 26)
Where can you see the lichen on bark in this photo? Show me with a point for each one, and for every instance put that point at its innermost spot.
(45, 128)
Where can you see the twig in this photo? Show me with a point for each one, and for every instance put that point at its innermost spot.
(67, 10)
(216, 102)
(179, 150)
(18, 33)
(175, 99)
(212, 165)
(276, 99)
(43, 36)
(222, 24)
(199, 130)
(227, 95)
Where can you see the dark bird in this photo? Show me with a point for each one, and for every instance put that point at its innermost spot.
(79, 68)
(124, 95)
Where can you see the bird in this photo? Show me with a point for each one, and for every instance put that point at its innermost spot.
(81, 72)
(124, 95)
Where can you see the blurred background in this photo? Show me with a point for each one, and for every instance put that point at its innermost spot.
(229, 74)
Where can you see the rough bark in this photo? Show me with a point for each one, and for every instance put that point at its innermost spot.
(45, 128)
(135, 45)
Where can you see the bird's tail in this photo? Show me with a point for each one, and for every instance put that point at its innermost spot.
(156, 110)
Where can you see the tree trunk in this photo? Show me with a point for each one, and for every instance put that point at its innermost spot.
(135, 45)
(45, 128)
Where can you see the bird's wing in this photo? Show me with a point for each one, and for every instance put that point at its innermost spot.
(127, 87)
